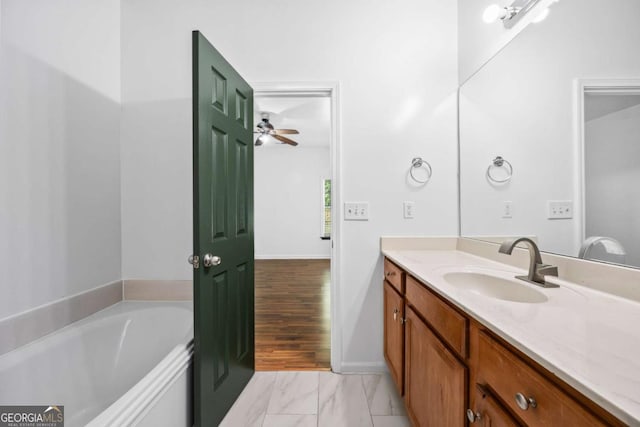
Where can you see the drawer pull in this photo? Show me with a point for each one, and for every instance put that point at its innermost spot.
(473, 416)
(395, 313)
(524, 402)
(391, 273)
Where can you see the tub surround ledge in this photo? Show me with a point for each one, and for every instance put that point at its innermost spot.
(30, 325)
(157, 290)
(585, 333)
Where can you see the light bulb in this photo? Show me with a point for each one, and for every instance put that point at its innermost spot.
(541, 16)
(493, 13)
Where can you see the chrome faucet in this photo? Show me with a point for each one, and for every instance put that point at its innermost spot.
(537, 270)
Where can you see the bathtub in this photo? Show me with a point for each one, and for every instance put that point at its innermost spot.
(129, 364)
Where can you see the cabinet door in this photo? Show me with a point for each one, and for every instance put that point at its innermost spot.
(394, 334)
(487, 412)
(435, 381)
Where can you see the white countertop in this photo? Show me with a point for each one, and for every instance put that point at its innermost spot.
(589, 339)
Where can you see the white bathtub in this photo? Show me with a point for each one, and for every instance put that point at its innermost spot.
(126, 365)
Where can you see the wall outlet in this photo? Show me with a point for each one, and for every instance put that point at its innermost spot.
(559, 209)
(409, 209)
(356, 211)
(507, 209)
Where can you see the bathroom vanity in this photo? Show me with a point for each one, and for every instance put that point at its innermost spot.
(466, 342)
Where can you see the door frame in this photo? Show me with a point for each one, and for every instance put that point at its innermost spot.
(582, 86)
(330, 90)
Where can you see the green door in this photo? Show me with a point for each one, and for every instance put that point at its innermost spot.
(223, 233)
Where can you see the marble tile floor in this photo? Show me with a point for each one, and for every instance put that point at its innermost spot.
(317, 399)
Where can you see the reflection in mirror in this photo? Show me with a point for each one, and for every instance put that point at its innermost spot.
(561, 102)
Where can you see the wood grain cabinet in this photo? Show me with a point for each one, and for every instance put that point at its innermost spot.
(394, 334)
(435, 381)
(455, 372)
(486, 411)
(533, 398)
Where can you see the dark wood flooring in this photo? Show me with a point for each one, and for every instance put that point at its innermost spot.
(292, 314)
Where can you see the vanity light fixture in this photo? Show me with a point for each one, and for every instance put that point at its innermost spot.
(509, 15)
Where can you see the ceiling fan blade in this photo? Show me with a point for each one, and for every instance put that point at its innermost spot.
(285, 140)
(285, 132)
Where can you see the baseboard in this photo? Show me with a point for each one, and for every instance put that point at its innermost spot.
(22, 328)
(292, 256)
(363, 367)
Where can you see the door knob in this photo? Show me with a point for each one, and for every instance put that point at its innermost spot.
(194, 260)
(211, 260)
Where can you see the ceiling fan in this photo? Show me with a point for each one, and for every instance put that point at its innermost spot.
(266, 131)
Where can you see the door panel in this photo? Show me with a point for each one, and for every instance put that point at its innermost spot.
(223, 226)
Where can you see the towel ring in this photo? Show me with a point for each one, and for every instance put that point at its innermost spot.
(499, 162)
(417, 163)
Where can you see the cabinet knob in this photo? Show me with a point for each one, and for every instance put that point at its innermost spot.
(473, 416)
(395, 313)
(524, 402)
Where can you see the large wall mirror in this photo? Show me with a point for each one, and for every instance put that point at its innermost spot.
(550, 135)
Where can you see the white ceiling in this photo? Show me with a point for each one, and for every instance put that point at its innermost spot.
(309, 115)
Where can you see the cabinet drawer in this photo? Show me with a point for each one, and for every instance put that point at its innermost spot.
(488, 412)
(394, 275)
(508, 376)
(451, 325)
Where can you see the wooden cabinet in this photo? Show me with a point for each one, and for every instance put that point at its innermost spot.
(394, 334)
(450, 364)
(487, 411)
(394, 275)
(529, 395)
(445, 320)
(435, 381)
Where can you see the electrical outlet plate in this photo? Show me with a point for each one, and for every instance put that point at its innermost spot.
(560, 209)
(507, 209)
(356, 211)
(409, 209)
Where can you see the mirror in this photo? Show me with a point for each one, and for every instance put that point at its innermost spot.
(560, 105)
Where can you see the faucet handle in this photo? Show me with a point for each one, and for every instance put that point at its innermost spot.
(547, 270)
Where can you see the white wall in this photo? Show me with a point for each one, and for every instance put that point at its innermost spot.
(288, 201)
(397, 69)
(612, 172)
(59, 149)
(479, 41)
(521, 106)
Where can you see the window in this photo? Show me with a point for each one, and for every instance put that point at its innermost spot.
(326, 209)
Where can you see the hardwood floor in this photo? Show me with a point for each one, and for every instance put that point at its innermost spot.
(292, 314)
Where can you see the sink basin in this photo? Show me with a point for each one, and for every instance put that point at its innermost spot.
(494, 287)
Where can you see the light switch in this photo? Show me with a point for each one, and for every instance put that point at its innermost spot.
(559, 209)
(507, 209)
(409, 209)
(356, 211)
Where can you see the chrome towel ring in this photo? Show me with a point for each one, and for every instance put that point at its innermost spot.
(418, 163)
(499, 162)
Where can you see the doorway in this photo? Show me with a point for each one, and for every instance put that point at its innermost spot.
(294, 229)
(610, 157)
